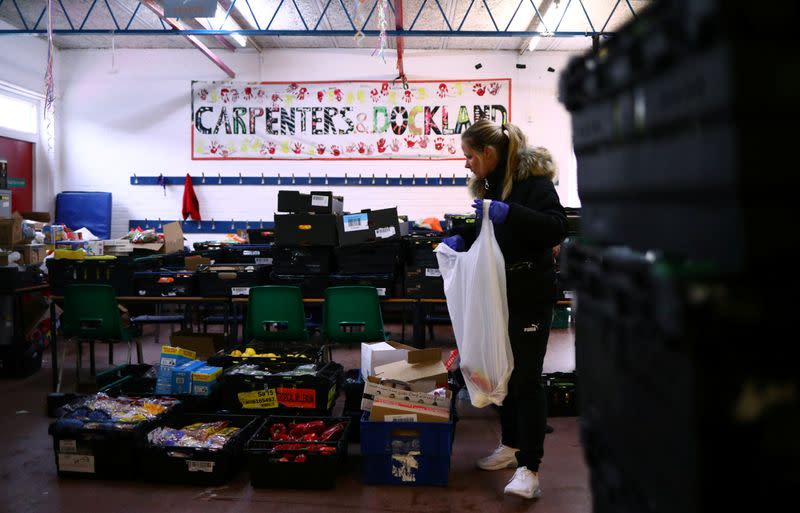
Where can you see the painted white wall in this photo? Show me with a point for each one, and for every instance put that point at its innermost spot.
(23, 61)
(135, 117)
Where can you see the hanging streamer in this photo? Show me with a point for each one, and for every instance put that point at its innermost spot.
(359, 21)
(49, 82)
(382, 40)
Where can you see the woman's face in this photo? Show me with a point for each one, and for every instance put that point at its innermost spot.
(481, 163)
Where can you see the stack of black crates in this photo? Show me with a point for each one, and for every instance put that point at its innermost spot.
(688, 388)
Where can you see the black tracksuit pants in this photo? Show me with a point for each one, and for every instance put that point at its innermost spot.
(523, 416)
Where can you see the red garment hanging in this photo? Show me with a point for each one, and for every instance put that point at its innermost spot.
(191, 207)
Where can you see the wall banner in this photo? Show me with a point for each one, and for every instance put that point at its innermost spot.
(341, 120)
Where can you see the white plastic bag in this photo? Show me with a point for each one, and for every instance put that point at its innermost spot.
(475, 287)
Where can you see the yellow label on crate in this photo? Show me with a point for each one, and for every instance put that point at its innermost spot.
(258, 399)
(179, 351)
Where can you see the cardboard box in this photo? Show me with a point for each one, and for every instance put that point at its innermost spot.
(368, 226)
(11, 231)
(320, 202)
(194, 261)
(422, 364)
(204, 380)
(380, 353)
(42, 217)
(173, 240)
(203, 344)
(182, 376)
(32, 253)
(391, 410)
(305, 229)
(375, 388)
(171, 357)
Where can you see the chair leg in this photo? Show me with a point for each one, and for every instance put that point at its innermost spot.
(110, 353)
(139, 356)
(78, 361)
(92, 369)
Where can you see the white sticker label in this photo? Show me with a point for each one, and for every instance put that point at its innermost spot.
(166, 361)
(6, 204)
(200, 466)
(568, 294)
(405, 417)
(240, 291)
(381, 291)
(385, 232)
(250, 252)
(432, 272)
(76, 463)
(67, 446)
(355, 222)
(263, 261)
(317, 200)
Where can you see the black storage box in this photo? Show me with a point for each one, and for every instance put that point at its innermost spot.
(117, 272)
(16, 278)
(260, 235)
(423, 282)
(302, 260)
(196, 465)
(383, 283)
(312, 393)
(226, 280)
(311, 285)
(260, 254)
(273, 464)
(273, 352)
(305, 229)
(379, 257)
(84, 447)
(368, 226)
(561, 391)
(319, 202)
(163, 283)
(419, 250)
(458, 224)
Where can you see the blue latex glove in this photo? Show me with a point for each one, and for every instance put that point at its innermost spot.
(498, 211)
(456, 242)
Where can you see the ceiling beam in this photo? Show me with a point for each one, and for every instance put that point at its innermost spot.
(178, 25)
(241, 21)
(544, 6)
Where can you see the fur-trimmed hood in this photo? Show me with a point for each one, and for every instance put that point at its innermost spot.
(532, 161)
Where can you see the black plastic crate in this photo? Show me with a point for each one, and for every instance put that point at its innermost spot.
(268, 353)
(86, 446)
(423, 282)
(419, 250)
(117, 272)
(562, 395)
(167, 283)
(379, 257)
(231, 279)
(302, 260)
(458, 224)
(260, 235)
(311, 285)
(16, 278)
(198, 465)
(309, 393)
(260, 254)
(274, 463)
(385, 284)
(140, 381)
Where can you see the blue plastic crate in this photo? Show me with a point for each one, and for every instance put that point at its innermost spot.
(406, 453)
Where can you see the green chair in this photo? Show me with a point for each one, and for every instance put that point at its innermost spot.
(275, 313)
(91, 314)
(352, 314)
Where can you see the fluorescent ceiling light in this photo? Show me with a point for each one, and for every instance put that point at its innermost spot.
(548, 23)
(219, 22)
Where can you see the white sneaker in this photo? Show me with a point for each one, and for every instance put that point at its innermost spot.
(502, 457)
(524, 484)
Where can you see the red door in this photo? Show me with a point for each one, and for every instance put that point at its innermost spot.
(19, 155)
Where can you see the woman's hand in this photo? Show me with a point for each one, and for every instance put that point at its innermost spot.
(456, 242)
(498, 211)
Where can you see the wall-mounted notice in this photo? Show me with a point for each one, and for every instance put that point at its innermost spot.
(341, 120)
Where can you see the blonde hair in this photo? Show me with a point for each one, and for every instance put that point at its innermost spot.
(507, 139)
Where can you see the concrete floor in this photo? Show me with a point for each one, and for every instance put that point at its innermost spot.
(28, 480)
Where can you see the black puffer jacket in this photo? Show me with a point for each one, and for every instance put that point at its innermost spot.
(536, 223)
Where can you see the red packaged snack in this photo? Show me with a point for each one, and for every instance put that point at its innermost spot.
(332, 432)
(298, 430)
